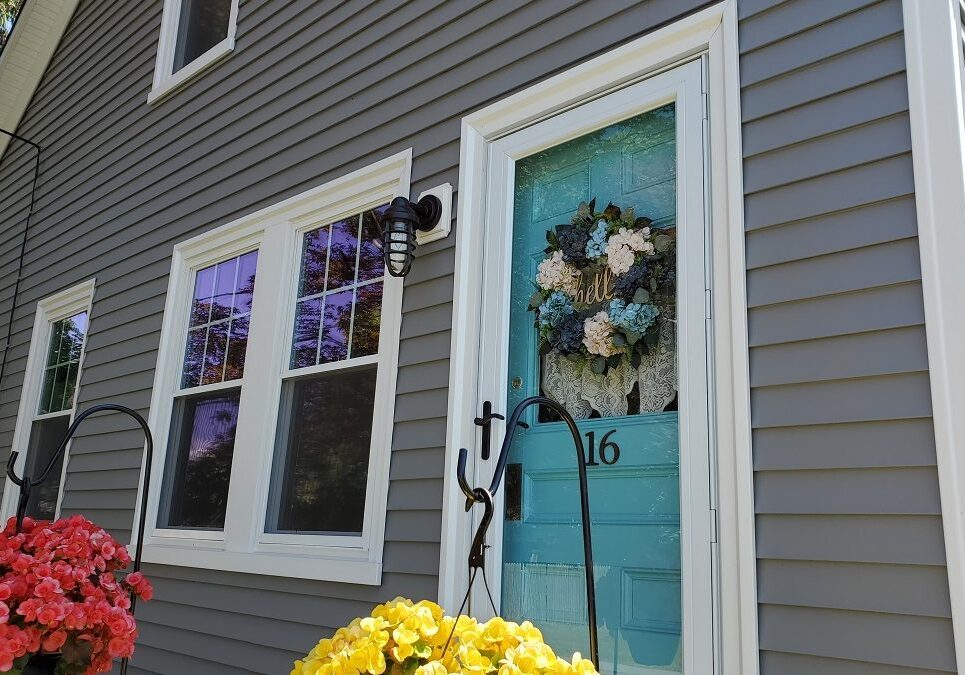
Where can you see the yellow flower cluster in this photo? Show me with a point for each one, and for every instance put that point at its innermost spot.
(403, 637)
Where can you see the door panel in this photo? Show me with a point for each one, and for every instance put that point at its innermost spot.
(634, 458)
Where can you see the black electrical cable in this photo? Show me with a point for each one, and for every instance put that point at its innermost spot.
(23, 249)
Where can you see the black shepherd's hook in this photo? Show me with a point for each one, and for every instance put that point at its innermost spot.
(477, 553)
(28, 483)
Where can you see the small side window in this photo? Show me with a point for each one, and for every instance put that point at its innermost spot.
(194, 35)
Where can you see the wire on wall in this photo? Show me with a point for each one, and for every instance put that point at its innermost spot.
(23, 248)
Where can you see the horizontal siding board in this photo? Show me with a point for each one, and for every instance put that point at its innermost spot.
(917, 590)
(767, 21)
(867, 143)
(913, 642)
(868, 24)
(877, 223)
(841, 314)
(840, 73)
(805, 664)
(901, 540)
(899, 491)
(886, 443)
(890, 352)
(879, 398)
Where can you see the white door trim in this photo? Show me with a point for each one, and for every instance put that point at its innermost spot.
(933, 45)
(712, 31)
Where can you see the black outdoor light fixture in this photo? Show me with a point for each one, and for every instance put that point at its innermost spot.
(399, 225)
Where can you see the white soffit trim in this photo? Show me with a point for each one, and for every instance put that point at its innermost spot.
(712, 30)
(933, 49)
(25, 57)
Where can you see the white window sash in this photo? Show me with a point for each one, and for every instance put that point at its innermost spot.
(54, 308)
(276, 232)
(165, 80)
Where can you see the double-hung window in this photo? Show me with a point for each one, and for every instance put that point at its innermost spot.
(274, 390)
(48, 399)
(194, 35)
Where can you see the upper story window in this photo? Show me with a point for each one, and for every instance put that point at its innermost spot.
(274, 394)
(48, 400)
(194, 35)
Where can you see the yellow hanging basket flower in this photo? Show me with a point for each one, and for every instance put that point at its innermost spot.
(403, 637)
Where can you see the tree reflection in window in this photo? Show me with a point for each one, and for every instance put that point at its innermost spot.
(339, 303)
(219, 320)
(319, 487)
(62, 364)
(198, 485)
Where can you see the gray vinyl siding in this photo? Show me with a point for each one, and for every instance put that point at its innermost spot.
(299, 102)
(851, 560)
(851, 576)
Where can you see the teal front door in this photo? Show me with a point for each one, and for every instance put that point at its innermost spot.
(595, 297)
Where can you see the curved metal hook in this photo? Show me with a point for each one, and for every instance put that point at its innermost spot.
(477, 495)
(27, 483)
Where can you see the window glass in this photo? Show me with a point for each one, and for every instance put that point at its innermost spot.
(62, 364)
(201, 25)
(339, 299)
(45, 437)
(218, 324)
(318, 485)
(199, 463)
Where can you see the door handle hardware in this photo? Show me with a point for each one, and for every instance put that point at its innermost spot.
(486, 422)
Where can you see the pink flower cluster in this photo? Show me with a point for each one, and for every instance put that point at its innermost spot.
(59, 593)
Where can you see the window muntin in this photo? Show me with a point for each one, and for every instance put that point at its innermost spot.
(201, 25)
(62, 364)
(219, 320)
(204, 422)
(339, 292)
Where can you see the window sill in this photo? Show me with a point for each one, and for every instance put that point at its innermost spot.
(290, 565)
(168, 85)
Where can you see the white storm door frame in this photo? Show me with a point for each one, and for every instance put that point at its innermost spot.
(682, 86)
(713, 32)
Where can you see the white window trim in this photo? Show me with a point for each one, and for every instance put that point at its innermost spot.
(933, 48)
(712, 30)
(276, 232)
(49, 310)
(166, 81)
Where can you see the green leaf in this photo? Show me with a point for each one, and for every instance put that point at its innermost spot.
(641, 297)
(635, 359)
(641, 223)
(651, 337)
(592, 205)
(535, 300)
(574, 356)
(632, 337)
(619, 340)
(614, 361)
(422, 649)
(662, 243)
(410, 665)
(598, 365)
(544, 348)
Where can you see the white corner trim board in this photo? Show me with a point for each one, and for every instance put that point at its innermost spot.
(933, 49)
(712, 31)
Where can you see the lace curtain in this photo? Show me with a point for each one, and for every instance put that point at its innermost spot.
(581, 391)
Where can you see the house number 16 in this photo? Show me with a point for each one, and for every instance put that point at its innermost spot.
(607, 447)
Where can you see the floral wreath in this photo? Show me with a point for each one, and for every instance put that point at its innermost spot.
(600, 286)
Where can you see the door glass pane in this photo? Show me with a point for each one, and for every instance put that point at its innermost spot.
(199, 464)
(594, 232)
(318, 485)
(201, 25)
(45, 438)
